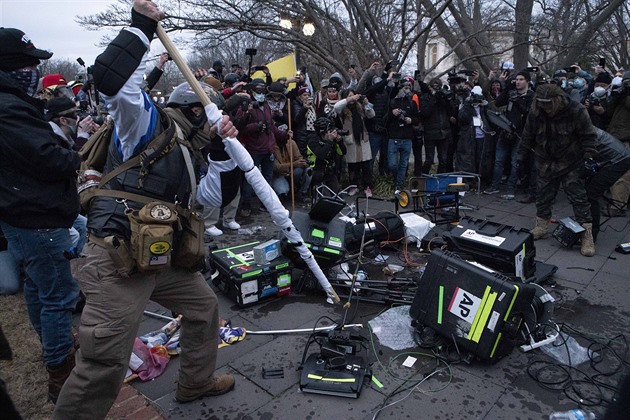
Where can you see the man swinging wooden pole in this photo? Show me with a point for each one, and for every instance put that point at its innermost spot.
(243, 159)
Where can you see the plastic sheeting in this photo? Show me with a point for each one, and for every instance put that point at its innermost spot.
(393, 328)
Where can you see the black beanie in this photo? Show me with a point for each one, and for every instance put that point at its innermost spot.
(604, 78)
(525, 74)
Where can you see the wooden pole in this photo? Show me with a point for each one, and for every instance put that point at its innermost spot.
(290, 144)
(181, 65)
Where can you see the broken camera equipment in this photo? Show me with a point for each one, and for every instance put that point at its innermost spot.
(339, 368)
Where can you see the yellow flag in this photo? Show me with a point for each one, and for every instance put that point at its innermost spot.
(282, 67)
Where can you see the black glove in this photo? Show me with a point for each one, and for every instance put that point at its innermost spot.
(589, 168)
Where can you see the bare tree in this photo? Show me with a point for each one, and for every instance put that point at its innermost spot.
(548, 32)
(66, 67)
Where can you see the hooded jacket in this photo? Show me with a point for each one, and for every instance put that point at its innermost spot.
(37, 170)
(561, 141)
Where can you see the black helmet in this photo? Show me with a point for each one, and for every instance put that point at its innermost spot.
(231, 79)
(184, 95)
(323, 125)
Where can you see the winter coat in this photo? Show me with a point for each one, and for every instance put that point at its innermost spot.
(468, 141)
(356, 151)
(516, 106)
(436, 110)
(559, 142)
(37, 169)
(282, 163)
(301, 134)
(397, 129)
(259, 132)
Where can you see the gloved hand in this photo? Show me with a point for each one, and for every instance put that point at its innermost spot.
(589, 168)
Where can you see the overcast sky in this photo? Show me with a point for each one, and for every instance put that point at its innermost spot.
(51, 26)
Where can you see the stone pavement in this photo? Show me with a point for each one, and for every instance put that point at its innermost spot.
(592, 296)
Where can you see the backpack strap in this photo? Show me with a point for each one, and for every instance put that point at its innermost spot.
(175, 134)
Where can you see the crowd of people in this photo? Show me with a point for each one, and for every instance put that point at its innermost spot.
(523, 130)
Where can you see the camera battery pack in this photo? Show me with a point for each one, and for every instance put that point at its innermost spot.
(623, 248)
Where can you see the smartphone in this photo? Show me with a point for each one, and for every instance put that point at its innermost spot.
(397, 76)
(602, 61)
(569, 69)
(251, 51)
(532, 69)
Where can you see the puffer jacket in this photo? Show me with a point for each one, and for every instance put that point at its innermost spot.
(37, 170)
(559, 142)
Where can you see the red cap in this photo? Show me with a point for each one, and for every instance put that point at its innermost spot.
(53, 80)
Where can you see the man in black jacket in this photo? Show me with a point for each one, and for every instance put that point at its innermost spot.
(402, 116)
(517, 98)
(38, 202)
(438, 113)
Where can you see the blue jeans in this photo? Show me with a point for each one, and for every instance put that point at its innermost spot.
(378, 143)
(506, 150)
(9, 274)
(398, 152)
(78, 232)
(265, 163)
(301, 180)
(50, 290)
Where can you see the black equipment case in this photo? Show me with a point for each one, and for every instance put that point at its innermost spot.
(501, 247)
(384, 226)
(481, 310)
(245, 281)
(323, 233)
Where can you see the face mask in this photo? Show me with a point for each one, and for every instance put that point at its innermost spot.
(563, 85)
(259, 97)
(27, 80)
(73, 126)
(600, 92)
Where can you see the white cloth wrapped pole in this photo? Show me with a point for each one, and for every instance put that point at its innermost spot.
(278, 213)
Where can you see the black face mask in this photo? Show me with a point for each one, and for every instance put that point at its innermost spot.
(196, 121)
(27, 79)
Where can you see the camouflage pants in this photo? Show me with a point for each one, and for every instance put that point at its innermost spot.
(573, 185)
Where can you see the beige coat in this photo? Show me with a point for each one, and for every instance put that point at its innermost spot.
(356, 152)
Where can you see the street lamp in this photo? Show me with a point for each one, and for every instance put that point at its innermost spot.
(288, 22)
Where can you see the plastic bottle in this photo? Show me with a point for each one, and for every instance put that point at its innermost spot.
(572, 415)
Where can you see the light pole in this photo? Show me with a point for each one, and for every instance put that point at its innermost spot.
(289, 23)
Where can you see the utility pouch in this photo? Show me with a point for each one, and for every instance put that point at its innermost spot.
(119, 252)
(189, 249)
(152, 235)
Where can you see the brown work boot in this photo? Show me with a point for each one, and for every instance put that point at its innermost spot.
(588, 245)
(57, 376)
(541, 230)
(217, 386)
